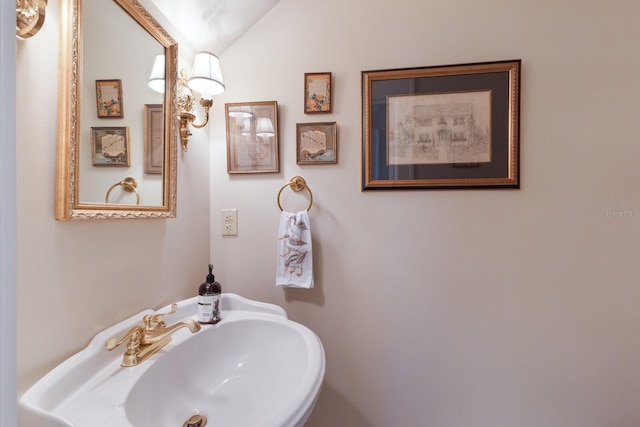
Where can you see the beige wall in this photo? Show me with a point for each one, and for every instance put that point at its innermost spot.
(456, 308)
(76, 278)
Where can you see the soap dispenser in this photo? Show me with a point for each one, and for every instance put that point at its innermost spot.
(209, 299)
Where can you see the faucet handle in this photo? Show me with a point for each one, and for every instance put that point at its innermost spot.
(158, 318)
(134, 335)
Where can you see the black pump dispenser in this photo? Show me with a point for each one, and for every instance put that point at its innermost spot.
(209, 299)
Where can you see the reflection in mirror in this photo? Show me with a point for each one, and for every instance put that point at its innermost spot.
(103, 61)
(113, 127)
(252, 137)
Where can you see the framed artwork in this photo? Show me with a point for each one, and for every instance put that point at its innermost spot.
(110, 146)
(252, 137)
(317, 93)
(153, 138)
(454, 126)
(109, 99)
(316, 143)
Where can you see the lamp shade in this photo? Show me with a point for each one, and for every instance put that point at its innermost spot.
(156, 79)
(265, 127)
(206, 76)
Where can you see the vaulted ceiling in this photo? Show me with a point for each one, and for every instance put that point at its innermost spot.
(213, 25)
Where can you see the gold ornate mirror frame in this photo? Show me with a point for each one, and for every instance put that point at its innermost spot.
(68, 205)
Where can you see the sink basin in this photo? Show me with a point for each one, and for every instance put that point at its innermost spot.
(254, 368)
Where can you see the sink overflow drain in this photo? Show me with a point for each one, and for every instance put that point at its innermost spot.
(196, 421)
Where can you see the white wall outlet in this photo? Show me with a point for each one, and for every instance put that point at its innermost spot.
(229, 222)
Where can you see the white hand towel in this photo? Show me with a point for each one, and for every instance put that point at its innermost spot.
(295, 260)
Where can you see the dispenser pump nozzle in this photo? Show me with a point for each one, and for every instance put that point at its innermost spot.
(210, 277)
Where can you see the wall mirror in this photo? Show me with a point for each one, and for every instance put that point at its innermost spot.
(116, 153)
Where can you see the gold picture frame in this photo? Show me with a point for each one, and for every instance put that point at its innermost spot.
(316, 143)
(110, 146)
(317, 93)
(109, 99)
(153, 138)
(252, 137)
(454, 126)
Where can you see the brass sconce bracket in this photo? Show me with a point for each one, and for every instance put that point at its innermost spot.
(206, 104)
(29, 17)
(187, 118)
(185, 133)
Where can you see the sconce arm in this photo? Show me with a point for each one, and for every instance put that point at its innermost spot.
(186, 119)
(206, 104)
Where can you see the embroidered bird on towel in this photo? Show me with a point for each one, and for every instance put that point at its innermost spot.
(294, 250)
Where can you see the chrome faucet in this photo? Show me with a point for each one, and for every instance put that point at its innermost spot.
(144, 341)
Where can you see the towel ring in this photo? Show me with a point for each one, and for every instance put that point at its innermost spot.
(129, 184)
(297, 183)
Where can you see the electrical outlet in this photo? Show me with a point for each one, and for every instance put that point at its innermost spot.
(229, 222)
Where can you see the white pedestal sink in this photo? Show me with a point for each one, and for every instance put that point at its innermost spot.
(254, 368)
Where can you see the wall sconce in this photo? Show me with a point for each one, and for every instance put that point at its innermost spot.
(206, 79)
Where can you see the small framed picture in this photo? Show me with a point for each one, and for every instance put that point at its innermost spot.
(110, 146)
(109, 99)
(252, 137)
(153, 138)
(317, 93)
(316, 143)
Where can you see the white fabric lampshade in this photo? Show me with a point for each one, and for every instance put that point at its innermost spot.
(206, 76)
(156, 79)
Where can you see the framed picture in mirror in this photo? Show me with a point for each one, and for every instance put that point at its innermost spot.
(153, 138)
(109, 99)
(110, 146)
(252, 137)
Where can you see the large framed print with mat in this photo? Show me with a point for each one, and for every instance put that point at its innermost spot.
(454, 126)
